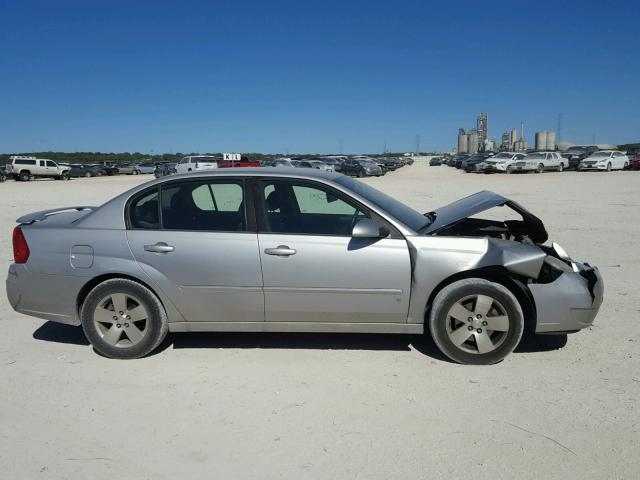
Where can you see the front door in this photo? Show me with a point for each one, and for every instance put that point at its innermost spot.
(313, 271)
(191, 238)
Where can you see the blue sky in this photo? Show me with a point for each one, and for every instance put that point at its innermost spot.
(302, 76)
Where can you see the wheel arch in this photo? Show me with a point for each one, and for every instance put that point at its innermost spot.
(502, 276)
(95, 281)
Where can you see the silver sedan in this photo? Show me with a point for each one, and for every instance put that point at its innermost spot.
(296, 250)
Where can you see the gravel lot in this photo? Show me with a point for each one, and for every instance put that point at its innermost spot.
(339, 406)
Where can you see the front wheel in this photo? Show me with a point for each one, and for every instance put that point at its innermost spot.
(609, 167)
(123, 319)
(540, 168)
(24, 176)
(475, 321)
(561, 167)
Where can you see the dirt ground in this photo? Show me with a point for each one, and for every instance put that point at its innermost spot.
(339, 406)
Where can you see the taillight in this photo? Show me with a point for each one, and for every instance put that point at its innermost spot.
(20, 247)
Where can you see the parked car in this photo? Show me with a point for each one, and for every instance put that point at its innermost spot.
(26, 168)
(195, 163)
(435, 162)
(164, 169)
(361, 168)
(605, 160)
(502, 162)
(87, 171)
(334, 162)
(282, 163)
(147, 167)
(539, 162)
(577, 153)
(327, 253)
(317, 164)
(458, 159)
(470, 164)
(633, 154)
(244, 162)
(128, 169)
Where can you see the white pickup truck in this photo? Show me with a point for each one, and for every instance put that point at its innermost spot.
(26, 168)
(197, 163)
(539, 162)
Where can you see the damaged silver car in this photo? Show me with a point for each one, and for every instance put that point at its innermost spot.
(296, 250)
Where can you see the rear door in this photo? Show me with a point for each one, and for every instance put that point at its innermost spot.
(195, 240)
(313, 271)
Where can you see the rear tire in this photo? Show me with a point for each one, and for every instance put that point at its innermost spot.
(24, 176)
(123, 319)
(461, 318)
(87, 175)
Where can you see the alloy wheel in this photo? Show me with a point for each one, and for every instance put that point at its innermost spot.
(121, 320)
(477, 324)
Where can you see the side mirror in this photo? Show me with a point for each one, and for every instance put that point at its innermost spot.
(367, 228)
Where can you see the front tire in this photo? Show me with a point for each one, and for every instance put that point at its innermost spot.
(609, 167)
(540, 168)
(475, 321)
(123, 319)
(561, 167)
(24, 176)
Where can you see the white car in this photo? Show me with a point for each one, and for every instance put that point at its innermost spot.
(25, 168)
(539, 162)
(605, 160)
(197, 163)
(501, 162)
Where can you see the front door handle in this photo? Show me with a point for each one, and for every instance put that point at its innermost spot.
(159, 247)
(280, 251)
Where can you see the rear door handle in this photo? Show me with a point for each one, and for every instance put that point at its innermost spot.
(159, 247)
(280, 251)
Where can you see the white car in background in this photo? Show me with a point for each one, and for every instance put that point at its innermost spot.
(197, 163)
(500, 162)
(539, 162)
(605, 160)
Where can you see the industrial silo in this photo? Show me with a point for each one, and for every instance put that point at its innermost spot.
(551, 140)
(514, 137)
(472, 142)
(462, 143)
(541, 140)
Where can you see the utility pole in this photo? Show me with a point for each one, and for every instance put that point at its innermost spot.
(559, 127)
(417, 144)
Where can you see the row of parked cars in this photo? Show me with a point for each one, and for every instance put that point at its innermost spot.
(578, 158)
(23, 168)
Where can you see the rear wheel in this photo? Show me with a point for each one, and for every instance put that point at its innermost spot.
(87, 174)
(475, 321)
(509, 169)
(123, 319)
(360, 173)
(24, 176)
(136, 172)
(626, 165)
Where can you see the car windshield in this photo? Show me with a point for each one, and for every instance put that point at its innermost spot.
(411, 218)
(601, 154)
(502, 155)
(535, 156)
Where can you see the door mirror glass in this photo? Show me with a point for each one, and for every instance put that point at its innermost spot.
(367, 228)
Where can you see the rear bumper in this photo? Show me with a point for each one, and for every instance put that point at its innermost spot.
(569, 303)
(38, 296)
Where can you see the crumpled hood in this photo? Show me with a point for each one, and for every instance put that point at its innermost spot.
(479, 202)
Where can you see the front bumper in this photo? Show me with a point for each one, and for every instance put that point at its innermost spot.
(569, 303)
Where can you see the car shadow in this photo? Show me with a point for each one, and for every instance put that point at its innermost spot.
(60, 333)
